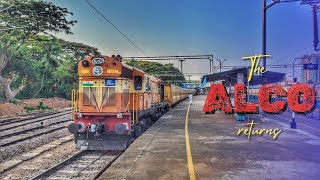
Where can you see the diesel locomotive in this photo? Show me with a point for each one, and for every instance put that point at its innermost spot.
(116, 103)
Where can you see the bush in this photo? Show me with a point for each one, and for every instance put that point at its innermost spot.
(29, 108)
(41, 106)
(13, 101)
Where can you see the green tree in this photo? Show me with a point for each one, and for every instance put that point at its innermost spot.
(20, 22)
(166, 72)
(51, 66)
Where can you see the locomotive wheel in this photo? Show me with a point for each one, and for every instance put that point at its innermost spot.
(154, 117)
(129, 142)
(137, 131)
(149, 122)
(144, 125)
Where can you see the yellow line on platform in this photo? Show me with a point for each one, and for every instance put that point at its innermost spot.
(189, 156)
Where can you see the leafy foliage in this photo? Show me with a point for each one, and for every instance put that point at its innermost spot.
(13, 101)
(34, 60)
(35, 16)
(41, 106)
(29, 108)
(34, 63)
(166, 72)
(49, 65)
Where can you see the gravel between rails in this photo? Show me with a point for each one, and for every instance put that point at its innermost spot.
(29, 168)
(32, 134)
(25, 146)
(84, 165)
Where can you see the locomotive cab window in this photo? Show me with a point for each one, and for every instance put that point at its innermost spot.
(137, 82)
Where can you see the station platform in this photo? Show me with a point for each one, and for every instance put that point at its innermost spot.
(215, 151)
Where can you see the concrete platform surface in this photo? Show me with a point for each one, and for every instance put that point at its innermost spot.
(217, 151)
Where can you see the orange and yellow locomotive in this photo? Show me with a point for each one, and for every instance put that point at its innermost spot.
(116, 103)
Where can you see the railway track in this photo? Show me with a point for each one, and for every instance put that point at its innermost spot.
(29, 117)
(19, 133)
(83, 165)
(7, 132)
(24, 122)
(22, 116)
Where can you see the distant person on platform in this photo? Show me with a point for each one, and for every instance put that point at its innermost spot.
(190, 98)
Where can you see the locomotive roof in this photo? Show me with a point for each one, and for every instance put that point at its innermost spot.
(136, 69)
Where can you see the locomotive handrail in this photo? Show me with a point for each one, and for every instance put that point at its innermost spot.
(133, 119)
(127, 104)
(137, 118)
(75, 102)
(72, 99)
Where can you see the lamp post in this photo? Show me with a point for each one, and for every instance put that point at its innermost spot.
(211, 61)
(220, 62)
(189, 78)
(181, 60)
(293, 124)
(264, 32)
(264, 26)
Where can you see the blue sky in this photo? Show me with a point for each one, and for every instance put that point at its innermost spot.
(227, 29)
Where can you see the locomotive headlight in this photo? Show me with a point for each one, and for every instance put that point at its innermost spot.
(85, 63)
(93, 128)
(97, 70)
(98, 61)
(119, 115)
(81, 126)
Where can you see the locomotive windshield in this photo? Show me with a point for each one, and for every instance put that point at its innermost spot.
(98, 93)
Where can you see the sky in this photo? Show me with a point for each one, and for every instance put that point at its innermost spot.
(228, 29)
